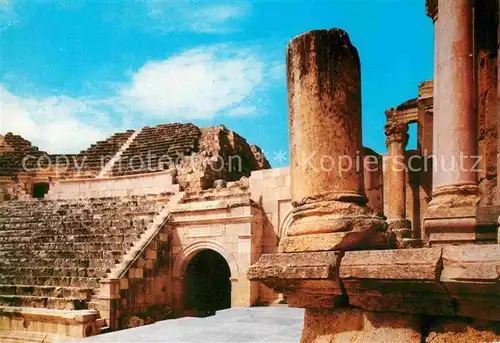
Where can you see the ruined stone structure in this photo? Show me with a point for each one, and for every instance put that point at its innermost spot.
(177, 220)
(431, 273)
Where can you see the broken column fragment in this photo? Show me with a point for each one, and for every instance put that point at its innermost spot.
(330, 214)
(324, 104)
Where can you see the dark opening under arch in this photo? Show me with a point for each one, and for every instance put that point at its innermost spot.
(40, 189)
(207, 284)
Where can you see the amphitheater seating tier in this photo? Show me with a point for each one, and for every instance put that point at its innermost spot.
(163, 143)
(97, 155)
(53, 253)
(11, 162)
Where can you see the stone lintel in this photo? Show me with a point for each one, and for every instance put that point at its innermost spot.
(308, 279)
(471, 274)
(405, 280)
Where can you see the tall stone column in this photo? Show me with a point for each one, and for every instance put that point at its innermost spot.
(324, 105)
(397, 138)
(330, 213)
(451, 215)
(498, 123)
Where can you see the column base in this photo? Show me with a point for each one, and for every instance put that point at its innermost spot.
(400, 227)
(356, 325)
(409, 243)
(451, 217)
(342, 241)
(334, 225)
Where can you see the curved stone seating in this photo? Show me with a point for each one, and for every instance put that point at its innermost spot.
(155, 147)
(91, 161)
(11, 162)
(54, 253)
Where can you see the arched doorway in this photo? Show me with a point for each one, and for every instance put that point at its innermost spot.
(207, 284)
(40, 189)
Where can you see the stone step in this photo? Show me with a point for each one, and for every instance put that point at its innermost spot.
(61, 281)
(48, 291)
(24, 337)
(96, 237)
(27, 270)
(60, 262)
(42, 302)
(79, 246)
(109, 230)
(66, 254)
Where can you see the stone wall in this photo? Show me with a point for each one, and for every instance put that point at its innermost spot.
(152, 183)
(223, 154)
(271, 189)
(223, 221)
(487, 112)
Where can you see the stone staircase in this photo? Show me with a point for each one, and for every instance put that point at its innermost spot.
(54, 253)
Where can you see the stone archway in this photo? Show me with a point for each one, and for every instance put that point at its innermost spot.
(182, 262)
(207, 284)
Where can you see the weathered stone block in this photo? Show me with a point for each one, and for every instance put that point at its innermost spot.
(405, 280)
(335, 241)
(471, 274)
(307, 279)
(461, 330)
(355, 325)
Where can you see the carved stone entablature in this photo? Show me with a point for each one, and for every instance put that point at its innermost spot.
(396, 132)
(431, 9)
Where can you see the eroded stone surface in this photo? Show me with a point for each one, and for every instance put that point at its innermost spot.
(463, 331)
(471, 275)
(355, 325)
(404, 280)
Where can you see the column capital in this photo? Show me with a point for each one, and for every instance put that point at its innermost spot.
(396, 132)
(431, 9)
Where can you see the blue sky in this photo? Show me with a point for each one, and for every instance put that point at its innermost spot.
(73, 72)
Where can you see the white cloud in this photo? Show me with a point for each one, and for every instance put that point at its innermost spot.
(56, 124)
(196, 17)
(199, 83)
(7, 14)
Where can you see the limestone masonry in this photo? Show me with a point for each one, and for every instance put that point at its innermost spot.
(177, 220)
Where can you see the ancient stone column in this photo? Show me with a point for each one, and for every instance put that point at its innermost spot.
(498, 123)
(324, 104)
(397, 138)
(451, 216)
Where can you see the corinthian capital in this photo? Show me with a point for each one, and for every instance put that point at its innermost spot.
(396, 132)
(431, 8)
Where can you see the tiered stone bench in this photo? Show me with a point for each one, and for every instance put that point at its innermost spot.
(11, 162)
(92, 160)
(53, 253)
(163, 143)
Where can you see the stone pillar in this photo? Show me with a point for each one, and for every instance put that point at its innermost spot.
(451, 215)
(397, 138)
(324, 104)
(498, 120)
(330, 213)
